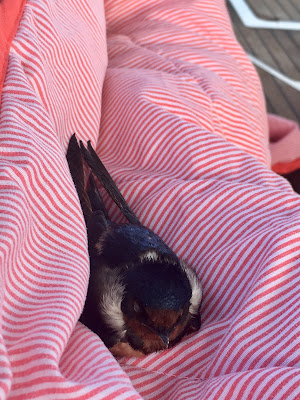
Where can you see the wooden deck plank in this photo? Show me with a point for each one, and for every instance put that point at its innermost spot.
(273, 9)
(277, 102)
(279, 54)
(288, 7)
(296, 4)
(276, 97)
(295, 37)
(262, 10)
(278, 49)
(291, 48)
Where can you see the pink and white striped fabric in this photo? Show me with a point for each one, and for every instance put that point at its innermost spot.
(183, 132)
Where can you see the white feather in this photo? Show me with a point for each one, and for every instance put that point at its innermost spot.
(112, 296)
(195, 286)
(150, 255)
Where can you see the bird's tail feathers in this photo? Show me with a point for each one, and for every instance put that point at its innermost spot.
(75, 162)
(107, 182)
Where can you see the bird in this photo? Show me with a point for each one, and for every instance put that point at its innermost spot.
(141, 297)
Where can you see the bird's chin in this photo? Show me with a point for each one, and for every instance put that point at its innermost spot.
(153, 346)
(126, 349)
(145, 341)
(123, 349)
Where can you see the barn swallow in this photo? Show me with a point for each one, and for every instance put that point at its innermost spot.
(141, 298)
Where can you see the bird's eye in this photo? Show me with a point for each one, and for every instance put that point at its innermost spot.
(182, 315)
(179, 318)
(136, 307)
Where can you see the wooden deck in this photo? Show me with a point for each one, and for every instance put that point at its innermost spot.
(279, 49)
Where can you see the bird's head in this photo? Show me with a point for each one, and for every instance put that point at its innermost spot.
(160, 305)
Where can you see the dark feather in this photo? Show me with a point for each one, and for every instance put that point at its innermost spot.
(75, 163)
(95, 197)
(102, 174)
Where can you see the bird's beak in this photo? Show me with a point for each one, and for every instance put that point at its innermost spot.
(165, 338)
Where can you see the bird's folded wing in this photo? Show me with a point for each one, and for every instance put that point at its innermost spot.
(184, 135)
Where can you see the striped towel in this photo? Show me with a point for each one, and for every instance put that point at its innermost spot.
(184, 134)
